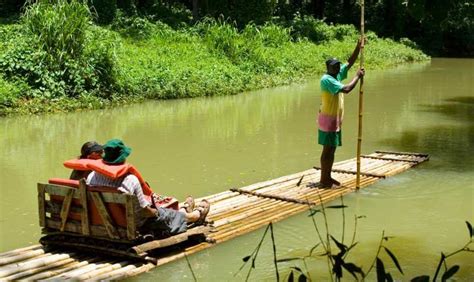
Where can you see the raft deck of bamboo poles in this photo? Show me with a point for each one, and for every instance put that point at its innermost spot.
(234, 212)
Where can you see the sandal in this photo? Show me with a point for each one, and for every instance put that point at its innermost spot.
(188, 204)
(203, 207)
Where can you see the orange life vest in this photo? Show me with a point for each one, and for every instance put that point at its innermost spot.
(112, 171)
(116, 171)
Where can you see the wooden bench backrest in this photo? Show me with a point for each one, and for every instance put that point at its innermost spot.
(92, 211)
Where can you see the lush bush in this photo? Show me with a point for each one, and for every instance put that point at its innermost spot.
(220, 36)
(407, 42)
(10, 94)
(59, 28)
(59, 53)
(306, 27)
(176, 64)
(134, 26)
(270, 34)
(209, 58)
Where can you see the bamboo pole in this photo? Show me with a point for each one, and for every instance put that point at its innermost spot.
(21, 256)
(83, 270)
(21, 250)
(13, 268)
(118, 273)
(78, 262)
(143, 268)
(361, 94)
(104, 268)
(49, 265)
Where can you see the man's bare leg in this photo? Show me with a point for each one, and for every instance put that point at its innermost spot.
(192, 216)
(199, 213)
(327, 160)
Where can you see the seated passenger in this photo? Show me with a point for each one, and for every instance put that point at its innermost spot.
(90, 150)
(156, 218)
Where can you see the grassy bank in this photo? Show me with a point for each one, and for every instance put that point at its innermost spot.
(135, 59)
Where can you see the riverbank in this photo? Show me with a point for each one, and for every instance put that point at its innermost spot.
(135, 59)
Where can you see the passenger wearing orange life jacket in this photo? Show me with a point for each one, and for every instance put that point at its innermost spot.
(168, 220)
(90, 150)
(83, 166)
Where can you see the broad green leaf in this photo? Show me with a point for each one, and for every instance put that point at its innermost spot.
(469, 226)
(341, 246)
(302, 278)
(313, 212)
(394, 259)
(450, 272)
(337, 207)
(388, 277)
(353, 269)
(290, 277)
(380, 270)
(421, 278)
(337, 268)
(297, 268)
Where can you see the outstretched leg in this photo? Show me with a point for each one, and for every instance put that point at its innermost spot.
(188, 205)
(198, 215)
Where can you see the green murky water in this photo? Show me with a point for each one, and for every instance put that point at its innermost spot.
(204, 146)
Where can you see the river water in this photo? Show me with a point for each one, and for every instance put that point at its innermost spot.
(206, 145)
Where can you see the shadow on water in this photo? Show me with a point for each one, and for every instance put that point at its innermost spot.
(464, 100)
(458, 108)
(448, 142)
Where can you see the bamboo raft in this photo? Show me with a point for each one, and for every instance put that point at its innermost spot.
(234, 212)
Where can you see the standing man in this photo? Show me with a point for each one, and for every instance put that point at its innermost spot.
(331, 111)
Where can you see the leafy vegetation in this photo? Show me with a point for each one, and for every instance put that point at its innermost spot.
(56, 54)
(440, 27)
(336, 253)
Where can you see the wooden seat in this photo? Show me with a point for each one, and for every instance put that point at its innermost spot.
(71, 206)
(74, 215)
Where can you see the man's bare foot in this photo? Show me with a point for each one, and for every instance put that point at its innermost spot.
(320, 185)
(328, 186)
(188, 204)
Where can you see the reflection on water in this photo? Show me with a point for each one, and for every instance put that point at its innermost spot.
(207, 145)
(448, 142)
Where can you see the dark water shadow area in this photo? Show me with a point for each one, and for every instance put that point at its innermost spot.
(449, 141)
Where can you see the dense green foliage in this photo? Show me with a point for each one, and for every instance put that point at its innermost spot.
(58, 53)
(439, 27)
(55, 58)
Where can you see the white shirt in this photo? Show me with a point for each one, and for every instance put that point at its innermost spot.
(128, 185)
